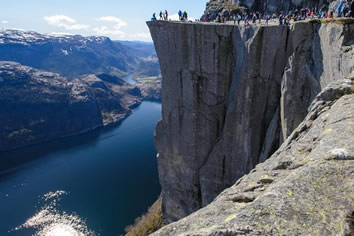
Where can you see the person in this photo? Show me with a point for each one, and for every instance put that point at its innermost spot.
(254, 18)
(185, 16)
(239, 18)
(180, 14)
(166, 15)
(234, 17)
(259, 17)
(161, 15)
(312, 15)
(329, 14)
(319, 15)
(267, 19)
(217, 20)
(339, 8)
(246, 20)
(153, 16)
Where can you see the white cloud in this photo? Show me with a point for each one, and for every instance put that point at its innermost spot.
(118, 23)
(105, 30)
(4, 22)
(112, 29)
(65, 22)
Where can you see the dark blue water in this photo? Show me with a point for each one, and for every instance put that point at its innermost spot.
(109, 178)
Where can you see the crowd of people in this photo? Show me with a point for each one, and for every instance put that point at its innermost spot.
(344, 9)
(183, 16)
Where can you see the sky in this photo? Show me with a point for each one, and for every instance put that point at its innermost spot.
(117, 19)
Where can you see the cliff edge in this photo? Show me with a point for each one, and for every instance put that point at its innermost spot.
(231, 96)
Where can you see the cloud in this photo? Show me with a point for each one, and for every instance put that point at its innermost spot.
(65, 22)
(113, 28)
(4, 22)
(118, 23)
(105, 30)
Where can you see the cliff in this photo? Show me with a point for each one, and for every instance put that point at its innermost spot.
(305, 188)
(231, 96)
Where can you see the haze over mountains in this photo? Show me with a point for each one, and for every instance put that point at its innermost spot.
(75, 55)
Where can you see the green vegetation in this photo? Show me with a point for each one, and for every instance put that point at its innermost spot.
(146, 79)
(149, 222)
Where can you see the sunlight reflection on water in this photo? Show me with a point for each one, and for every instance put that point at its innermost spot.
(48, 221)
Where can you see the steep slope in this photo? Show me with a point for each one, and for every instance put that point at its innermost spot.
(71, 56)
(305, 188)
(231, 95)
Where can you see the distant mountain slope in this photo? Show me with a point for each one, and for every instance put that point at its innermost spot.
(137, 48)
(72, 56)
(37, 106)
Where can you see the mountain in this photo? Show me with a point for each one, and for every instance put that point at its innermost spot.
(74, 55)
(139, 49)
(38, 106)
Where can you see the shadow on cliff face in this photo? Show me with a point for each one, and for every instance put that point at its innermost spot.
(351, 224)
(15, 160)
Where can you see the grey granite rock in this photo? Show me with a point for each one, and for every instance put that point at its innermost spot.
(231, 95)
(305, 188)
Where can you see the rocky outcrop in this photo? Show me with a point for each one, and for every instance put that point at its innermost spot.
(305, 188)
(115, 97)
(231, 95)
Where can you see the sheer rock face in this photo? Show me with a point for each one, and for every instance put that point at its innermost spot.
(231, 95)
(305, 188)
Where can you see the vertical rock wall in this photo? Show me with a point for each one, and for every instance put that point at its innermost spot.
(230, 95)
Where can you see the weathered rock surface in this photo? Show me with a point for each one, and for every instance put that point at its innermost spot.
(231, 95)
(305, 188)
